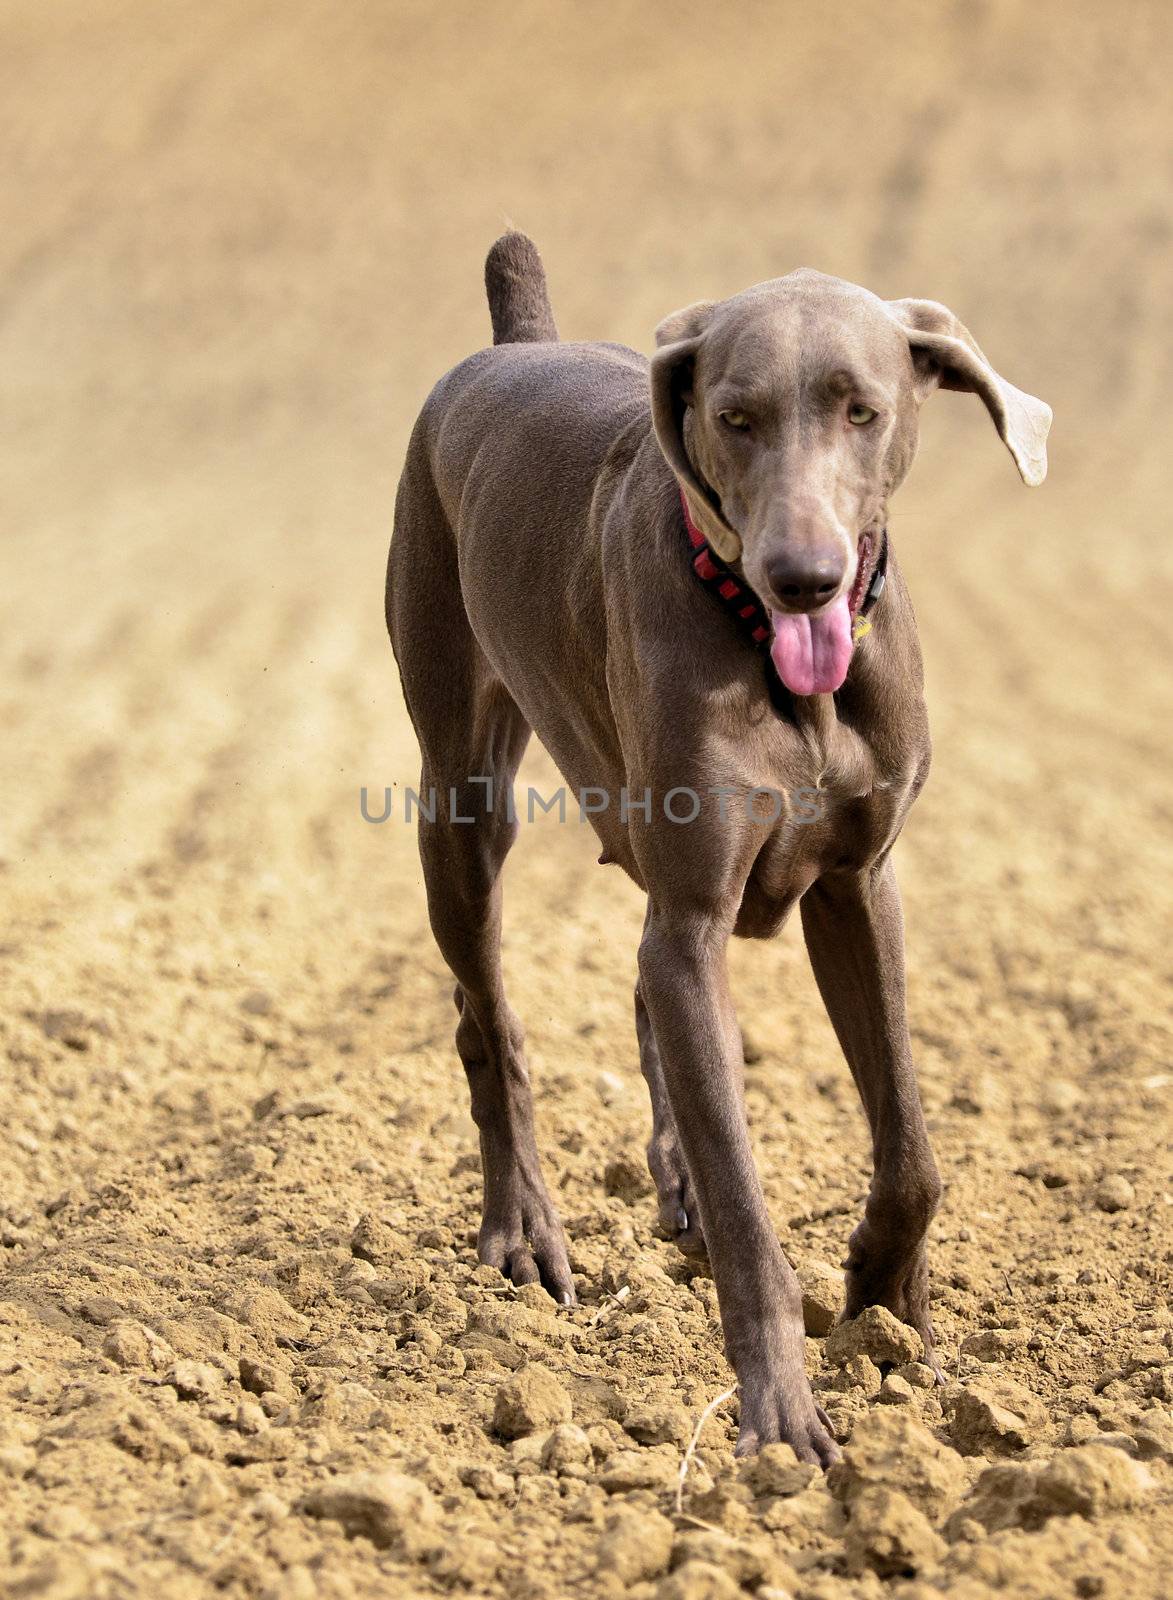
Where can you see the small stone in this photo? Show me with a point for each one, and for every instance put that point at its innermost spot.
(994, 1344)
(890, 1449)
(918, 1373)
(877, 1334)
(858, 1372)
(99, 1309)
(822, 1297)
(886, 1534)
(635, 1546)
(698, 1580)
(264, 1377)
(257, 1003)
(658, 1422)
(531, 1399)
(776, 1470)
(1114, 1193)
(487, 1483)
(128, 1345)
(896, 1391)
(393, 1511)
(196, 1380)
(993, 1417)
(639, 1469)
(375, 1240)
(567, 1452)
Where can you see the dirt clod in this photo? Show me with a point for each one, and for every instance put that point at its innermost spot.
(876, 1334)
(1088, 1481)
(390, 1509)
(822, 1297)
(635, 1545)
(996, 1416)
(1114, 1193)
(375, 1240)
(698, 1580)
(890, 1449)
(887, 1534)
(531, 1400)
(658, 1423)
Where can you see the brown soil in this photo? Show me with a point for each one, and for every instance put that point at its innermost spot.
(239, 242)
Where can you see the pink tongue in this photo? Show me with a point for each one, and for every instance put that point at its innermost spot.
(812, 654)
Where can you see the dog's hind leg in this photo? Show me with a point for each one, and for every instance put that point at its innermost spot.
(680, 1216)
(469, 731)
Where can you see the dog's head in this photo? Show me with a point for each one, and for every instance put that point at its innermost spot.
(789, 415)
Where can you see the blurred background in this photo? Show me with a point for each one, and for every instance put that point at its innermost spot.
(238, 244)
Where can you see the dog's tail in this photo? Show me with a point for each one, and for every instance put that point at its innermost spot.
(516, 283)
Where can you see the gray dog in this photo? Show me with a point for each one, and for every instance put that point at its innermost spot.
(680, 577)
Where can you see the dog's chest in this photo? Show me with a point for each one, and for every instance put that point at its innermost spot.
(827, 826)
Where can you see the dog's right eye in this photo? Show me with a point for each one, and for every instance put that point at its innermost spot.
(736, 420)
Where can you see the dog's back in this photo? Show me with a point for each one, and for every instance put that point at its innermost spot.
(495, 565)
(506, 456)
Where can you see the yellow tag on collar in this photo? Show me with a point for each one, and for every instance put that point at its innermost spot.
(860, 629)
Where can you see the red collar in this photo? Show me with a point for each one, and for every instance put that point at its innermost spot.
(737, 598)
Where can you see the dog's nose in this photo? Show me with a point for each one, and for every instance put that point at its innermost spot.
(804, 580)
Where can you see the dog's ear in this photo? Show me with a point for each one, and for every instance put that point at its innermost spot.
(946, 355)
(679, 338)
(687, 323)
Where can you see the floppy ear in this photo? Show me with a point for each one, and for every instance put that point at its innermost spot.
(946, 354)
(679, 338)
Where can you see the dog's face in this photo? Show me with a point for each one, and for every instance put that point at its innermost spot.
(789, 415)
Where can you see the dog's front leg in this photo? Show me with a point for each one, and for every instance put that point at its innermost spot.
(685, 986)
(855, 935)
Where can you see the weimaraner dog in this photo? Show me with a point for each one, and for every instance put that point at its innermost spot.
(673, 574)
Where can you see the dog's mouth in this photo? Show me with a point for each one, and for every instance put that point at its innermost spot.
(812, 650)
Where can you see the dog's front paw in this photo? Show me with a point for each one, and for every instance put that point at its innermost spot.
(522, 1237)
(782, 1410)
(890, 1276)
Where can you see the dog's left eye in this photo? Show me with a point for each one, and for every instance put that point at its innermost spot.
(859, 416)
(735, 419)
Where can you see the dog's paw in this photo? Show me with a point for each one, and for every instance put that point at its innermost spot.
(525, 1242)
(783, 1411)
(892, 1277)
